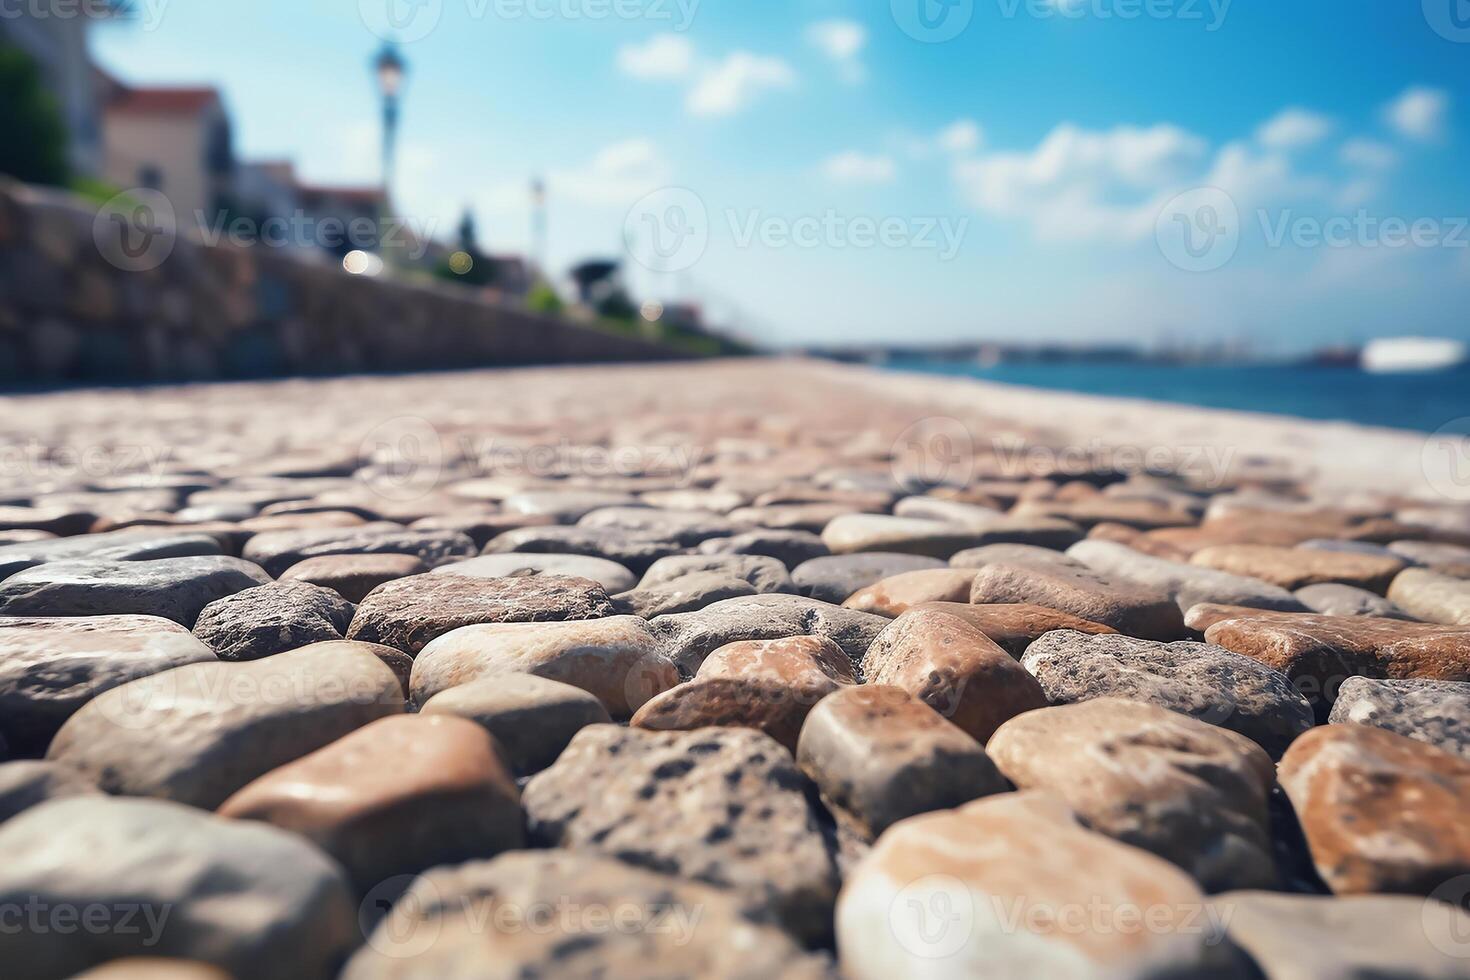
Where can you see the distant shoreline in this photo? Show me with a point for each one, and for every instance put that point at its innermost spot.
(1417, 403)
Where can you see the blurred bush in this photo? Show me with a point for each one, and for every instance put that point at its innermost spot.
(544, 299)
(33, 145)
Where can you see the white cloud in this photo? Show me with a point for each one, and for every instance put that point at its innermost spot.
(732, 84)
(714, 88)
(1070, 154)
(1080, 184)
(1110, 186)
(1419, 113)
(616, 176)
(842, 41)
(853, 167)
(961, 137)
(1294, 128)
(1251, 177)
(1368, 154)
(1356, 193)
(663, 57)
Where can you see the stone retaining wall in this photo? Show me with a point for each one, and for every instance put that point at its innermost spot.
(68, 314)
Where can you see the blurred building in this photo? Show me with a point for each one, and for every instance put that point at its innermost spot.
(514, 275)
(596, 280)
(267, 188)
(685, 317)
(327, 208)
(179, 141)
(58, 46)
(176, 141)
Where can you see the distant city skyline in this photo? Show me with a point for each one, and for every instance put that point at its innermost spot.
(823, 171)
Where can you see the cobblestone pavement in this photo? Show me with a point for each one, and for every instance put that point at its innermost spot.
(762, 668)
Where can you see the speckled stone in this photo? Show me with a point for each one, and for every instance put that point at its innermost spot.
(879, 755)
(354, 576)
(1026, 853)
(1189, 792)
(1381, 812)
(1205, 682)
(1318, 653)
(623, 793)
(1115, 602)
(410, 612)
(608, 574)
(1433, 712)
(532, 718)
(271, 619)
(1014, 627)
(955, 669)
(654, 922)
(690, 637)
(173, 588)
(251, 899)
(616, 659)
(198, 733)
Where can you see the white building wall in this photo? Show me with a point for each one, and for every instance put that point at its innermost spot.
(169, 152)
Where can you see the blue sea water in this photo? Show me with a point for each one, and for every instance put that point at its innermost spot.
(1418, 402)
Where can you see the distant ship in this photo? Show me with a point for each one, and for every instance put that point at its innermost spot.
(1411, 354)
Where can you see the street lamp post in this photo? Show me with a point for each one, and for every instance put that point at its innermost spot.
(538, 224)
(390, 70)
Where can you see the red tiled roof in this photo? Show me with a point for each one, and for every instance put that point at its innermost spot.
(164, 101)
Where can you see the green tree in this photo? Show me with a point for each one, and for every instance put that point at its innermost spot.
(617, 305)
(34, 145)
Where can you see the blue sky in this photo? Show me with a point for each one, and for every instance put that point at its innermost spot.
(854, 182)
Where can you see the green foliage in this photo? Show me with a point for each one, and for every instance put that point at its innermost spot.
(544, 299)
(675, 338)
(93, 190)
(482, 273)
(617, 305)
(33, 147)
